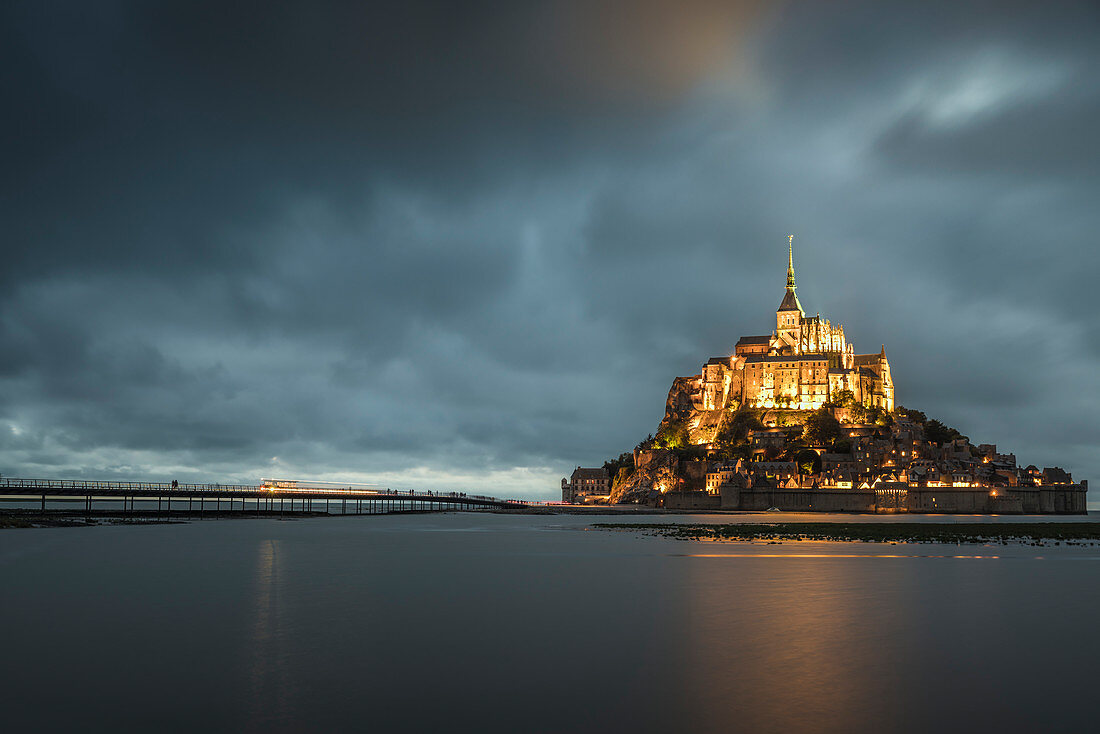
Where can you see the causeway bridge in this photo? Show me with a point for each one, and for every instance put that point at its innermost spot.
(274, 497)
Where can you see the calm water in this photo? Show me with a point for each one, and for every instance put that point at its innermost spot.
(496, 623)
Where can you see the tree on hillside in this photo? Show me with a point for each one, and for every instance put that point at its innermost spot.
(939, 433)
(794, 434)
(672, 435)
(732, 453)
(808, 461)
(735, 428)
(914, 415)
(857, 414)
(934, 430)
(625, 461)
(843, 398)
(878, 416)
(821, 428)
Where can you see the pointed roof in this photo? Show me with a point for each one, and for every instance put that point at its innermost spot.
(790, 302)
(790, 299)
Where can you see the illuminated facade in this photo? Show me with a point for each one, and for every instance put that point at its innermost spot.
(801, 365)
(586, 485)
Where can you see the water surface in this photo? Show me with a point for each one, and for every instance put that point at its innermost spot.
(502, 623)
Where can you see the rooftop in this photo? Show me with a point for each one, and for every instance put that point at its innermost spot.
(790, 302)
(599, 473)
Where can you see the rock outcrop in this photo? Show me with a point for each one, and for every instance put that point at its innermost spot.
(657, 470)
(683, 406)
(680, 405)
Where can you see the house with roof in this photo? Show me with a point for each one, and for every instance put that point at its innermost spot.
(586, 486)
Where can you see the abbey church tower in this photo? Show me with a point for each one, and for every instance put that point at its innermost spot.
(788, 317)
(802, 365)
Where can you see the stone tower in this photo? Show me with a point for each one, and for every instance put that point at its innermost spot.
(788, 317)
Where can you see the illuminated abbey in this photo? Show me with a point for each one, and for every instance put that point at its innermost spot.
(801, 365)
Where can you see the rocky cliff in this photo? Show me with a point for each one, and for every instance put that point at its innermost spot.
(680, 405)
(656, 470)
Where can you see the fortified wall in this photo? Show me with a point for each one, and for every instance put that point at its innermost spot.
(1055, 499)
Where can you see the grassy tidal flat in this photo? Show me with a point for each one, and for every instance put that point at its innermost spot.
(1040, 533)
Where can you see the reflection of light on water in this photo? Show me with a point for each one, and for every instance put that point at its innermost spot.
(269, 676)
(810, 642)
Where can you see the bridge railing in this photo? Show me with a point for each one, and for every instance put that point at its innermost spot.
(444, 495)
(16, 483)
(89, 485)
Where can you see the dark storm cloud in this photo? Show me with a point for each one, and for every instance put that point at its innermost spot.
(459, 245)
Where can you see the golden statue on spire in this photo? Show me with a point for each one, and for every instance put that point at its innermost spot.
(790, 262)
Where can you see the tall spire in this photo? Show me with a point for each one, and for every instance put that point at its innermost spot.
(790, 262)
(790, 300)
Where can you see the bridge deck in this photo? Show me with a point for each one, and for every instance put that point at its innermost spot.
(14, 487)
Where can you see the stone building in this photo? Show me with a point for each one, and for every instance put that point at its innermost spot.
(725, 474)
(801, 365)
(586, 485)
(874, 461)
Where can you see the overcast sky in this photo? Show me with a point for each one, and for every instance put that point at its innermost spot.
(469, 246)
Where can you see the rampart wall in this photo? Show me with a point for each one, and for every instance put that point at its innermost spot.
(798, 500)
(691, 501)
(1063, 499)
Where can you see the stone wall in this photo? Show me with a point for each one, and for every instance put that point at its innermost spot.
(694, 474)
(949, 500)
(690, 501)
(1056, 499)
(798, 500)
(1067, 499)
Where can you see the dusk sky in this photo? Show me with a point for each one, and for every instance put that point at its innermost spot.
(470, 245)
